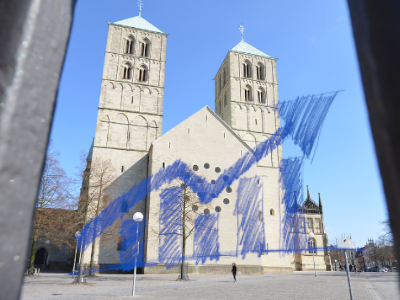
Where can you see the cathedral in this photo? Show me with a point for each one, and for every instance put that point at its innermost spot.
(244, 219)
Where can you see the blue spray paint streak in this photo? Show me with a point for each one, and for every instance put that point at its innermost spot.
(205, 243)
(129, 245)
(304, 118)
(291, 180)
(249, 208)
(204, 189)
(170, 234)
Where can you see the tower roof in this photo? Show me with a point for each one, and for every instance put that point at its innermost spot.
(138, 23)
(246, 48)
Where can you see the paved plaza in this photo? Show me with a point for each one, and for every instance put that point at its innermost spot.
(297, 285)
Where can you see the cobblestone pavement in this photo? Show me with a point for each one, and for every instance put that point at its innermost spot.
(297, 285)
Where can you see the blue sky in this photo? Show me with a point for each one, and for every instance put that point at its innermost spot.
(313, 41)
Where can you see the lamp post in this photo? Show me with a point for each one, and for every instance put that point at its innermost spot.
(79, 278)
(77, 235)
(137, 217)
(311, 237)
(335, 264)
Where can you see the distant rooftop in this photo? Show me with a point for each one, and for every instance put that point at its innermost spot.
(139, 23)
(246, 48)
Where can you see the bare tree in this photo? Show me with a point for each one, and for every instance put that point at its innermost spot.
(54, 193)
(190, 208)
(336, 254)
(97, 190)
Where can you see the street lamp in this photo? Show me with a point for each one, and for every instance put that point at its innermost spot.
(311, 237)
(335, 265)
(79, 278)
(77, 235)
(137, 217)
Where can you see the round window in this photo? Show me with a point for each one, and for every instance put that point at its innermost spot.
(207, 211)
(217, 170)
(225, 178)
(226, 201)
(206, 166)
(229, 190)
(195, 168)
(218, 209)
(195, 207)
(212, 181)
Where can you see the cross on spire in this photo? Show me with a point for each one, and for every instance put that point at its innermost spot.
(241, 28)
(140, 4)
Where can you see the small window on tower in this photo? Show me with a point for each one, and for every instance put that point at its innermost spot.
(261, 95)
(145, 48)
(260, 71)
(142, 73)
(225, 100)
(247, 93)
(129, 45)
(224, 76)
(247, 69)
(127, 71)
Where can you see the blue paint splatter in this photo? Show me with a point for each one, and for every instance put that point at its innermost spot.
(303, 117)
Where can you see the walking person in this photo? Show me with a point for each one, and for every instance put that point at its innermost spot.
(234, 271)
(355, 268)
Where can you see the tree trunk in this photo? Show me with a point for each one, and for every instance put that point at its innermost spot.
(91, 272)
(33, 248)
(184, 275)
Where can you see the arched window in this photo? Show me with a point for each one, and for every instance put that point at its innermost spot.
(127, 71)
(271, 212)
(220, 107)
(144, 48)
(225, 100)
(309, 224)
(224, 76)
(220, 82)
(247, 93)
(260, 71)
(247, 69)
(143, 73)
(261, 95)
(129, 45)
(312, 246)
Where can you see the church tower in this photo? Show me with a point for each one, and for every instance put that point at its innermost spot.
(246, 98)
(246, 94)
(130, 111)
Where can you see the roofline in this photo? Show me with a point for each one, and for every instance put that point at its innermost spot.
(221, 66)
(151, 31)
(268, 57)
(218, 118)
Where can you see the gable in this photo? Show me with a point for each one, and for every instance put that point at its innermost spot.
(203, 121)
